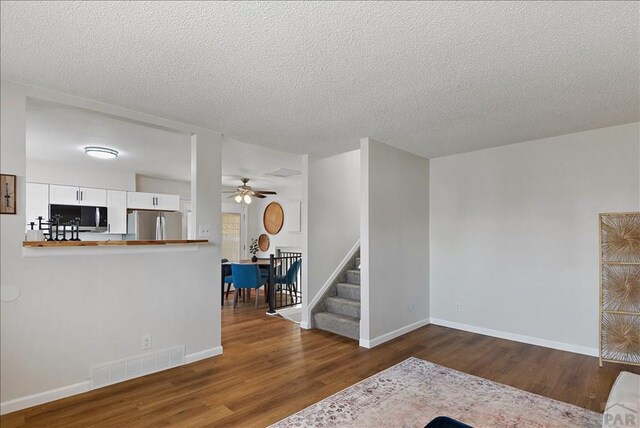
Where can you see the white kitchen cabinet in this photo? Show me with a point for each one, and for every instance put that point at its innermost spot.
(168, 202)
(73, 195)
(140, 201)
(37, 202)
(64, 195)
(117, 211)
(93, 197)
(152, 201)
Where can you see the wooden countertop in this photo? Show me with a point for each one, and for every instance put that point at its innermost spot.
(57, 244)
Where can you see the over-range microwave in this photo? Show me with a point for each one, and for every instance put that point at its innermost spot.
(92, 219)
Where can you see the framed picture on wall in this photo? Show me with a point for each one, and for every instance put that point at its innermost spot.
(8, 193)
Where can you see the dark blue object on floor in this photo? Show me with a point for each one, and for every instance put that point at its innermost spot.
(445, 422)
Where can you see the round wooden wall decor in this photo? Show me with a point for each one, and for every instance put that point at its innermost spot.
(273, 218)
(263, 242)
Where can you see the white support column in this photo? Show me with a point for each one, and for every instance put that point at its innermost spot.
(304, 218)
(206, 177)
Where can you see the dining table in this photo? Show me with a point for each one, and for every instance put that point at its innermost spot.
(263, 265)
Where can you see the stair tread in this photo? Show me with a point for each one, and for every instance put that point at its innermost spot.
(341, 325)
(353, 276)
(344, 300)
(348, 290)
(339, 316)
(343, 306)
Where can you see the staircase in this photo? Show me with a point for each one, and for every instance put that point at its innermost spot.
(339, 310)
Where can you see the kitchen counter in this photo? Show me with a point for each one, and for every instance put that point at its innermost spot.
(58, 244)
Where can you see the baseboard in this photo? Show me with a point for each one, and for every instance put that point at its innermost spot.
(207, 353)
(584, 350)
(79, 388)
(44, 397)
(393, 334)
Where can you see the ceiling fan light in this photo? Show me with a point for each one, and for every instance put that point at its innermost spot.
(238, 198)
(247, 199)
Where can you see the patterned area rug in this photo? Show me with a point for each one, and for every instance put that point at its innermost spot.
(412, 393)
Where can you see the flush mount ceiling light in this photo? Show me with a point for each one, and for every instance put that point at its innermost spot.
(101, 152)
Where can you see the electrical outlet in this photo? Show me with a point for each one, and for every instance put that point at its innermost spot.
(411, 306)
(458, 307)
(145, 343)
(204, 231)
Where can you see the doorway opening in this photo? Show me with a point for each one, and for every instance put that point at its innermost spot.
(234, 232)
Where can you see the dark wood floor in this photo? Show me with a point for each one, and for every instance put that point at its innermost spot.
(271, 369)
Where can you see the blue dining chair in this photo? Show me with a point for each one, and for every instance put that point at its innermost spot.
(245, 276)
(290, 280)
(227, 279)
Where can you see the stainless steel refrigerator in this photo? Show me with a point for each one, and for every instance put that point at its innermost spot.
(154, 225)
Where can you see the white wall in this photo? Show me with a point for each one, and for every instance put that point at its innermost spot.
(284, 239)
(332, 217)
(79, 175)
(160, 185)
(76, 311)
(394, 242)
(514, 234)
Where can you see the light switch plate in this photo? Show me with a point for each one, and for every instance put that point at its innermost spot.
(204, 231)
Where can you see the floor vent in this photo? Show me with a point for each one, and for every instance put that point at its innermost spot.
(139, 365)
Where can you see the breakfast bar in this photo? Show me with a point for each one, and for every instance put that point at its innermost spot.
(58, 244)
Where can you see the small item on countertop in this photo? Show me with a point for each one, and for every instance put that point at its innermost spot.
(35, 235)
(57, 224)
(46, 228)
(75, 224)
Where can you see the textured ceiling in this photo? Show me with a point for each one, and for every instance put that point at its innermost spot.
(432, 78)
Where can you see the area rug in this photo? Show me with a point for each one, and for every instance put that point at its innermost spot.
(413, 392)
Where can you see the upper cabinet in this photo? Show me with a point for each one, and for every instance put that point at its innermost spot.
(152, 201)
(117, 211)
(93, 197)
(167, 202)
(72, 195)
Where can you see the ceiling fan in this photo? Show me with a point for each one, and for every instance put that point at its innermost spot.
(246, 192)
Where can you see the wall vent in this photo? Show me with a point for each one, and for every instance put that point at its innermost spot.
(136, 366)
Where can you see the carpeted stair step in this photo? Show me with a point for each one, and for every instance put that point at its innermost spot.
(338, 324)
(348, 291)
(353, 276)
(342, 306)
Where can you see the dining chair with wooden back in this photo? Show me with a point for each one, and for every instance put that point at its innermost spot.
(245, 276)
